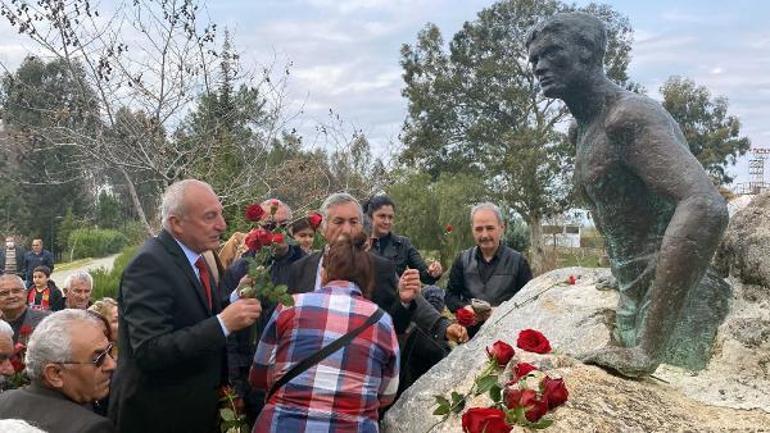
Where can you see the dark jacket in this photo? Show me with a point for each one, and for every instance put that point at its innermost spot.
(51, 411)
(32, 260)
(172, 347)
(21, 266)
(30, 318)
(303, 275)
(242, 345)
(400, 250)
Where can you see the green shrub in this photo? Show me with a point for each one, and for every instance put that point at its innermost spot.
(106, 282)
(93, 242)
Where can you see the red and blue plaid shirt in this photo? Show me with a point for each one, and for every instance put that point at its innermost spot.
(343, 392)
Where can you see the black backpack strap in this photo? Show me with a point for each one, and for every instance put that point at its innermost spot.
(317, 357)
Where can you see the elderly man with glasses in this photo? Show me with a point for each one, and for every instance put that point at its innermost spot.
(69, 364)
(13, 305)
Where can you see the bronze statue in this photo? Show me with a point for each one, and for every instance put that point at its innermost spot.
(659, 213)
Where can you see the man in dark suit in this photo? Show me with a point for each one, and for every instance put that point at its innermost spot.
(173, 327)
(65, 378)
(400, 297)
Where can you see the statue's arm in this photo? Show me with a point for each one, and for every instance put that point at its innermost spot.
(653, 148)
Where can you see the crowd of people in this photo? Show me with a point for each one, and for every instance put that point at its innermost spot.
(367, 320)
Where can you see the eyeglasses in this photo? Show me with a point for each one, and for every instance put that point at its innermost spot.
(98, 361)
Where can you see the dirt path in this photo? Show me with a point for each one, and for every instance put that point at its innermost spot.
(104, 262)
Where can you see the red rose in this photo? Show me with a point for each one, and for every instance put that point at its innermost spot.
(522, 369)
(315, 220)
(277, 238)
(534, 408)
(533, 341)
(487, 420)
(465, 317)
(501, 352)
(275, 203)
(25, 330)
(254, 212)
(265, 237)
(554, 391)
(252, 241)
(571, 280)
(449, 228)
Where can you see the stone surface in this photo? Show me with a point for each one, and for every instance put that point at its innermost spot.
(745, 250)
(731, 394)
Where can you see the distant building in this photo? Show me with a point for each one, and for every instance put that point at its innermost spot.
(562, 235)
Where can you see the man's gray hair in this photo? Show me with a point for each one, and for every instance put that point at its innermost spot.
(487, 205)
(79, 276)
(51, 341)
(18, 426)
(337, 199)
(173, 203)
(15, 278)
(6, 329)
(281, 204)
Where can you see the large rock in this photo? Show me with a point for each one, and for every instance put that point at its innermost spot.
(745, 249)
(732, 392)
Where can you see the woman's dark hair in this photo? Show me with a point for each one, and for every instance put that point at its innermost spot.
(299, 225)
(347, 259)
(376, 202)
(44, 269)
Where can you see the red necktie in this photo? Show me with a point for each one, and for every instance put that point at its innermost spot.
(205, 278)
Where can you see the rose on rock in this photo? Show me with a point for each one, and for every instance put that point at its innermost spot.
(533, 341)
(534, 407)
(554, 391)
(501, 352)
(484, 420)
(522, 369)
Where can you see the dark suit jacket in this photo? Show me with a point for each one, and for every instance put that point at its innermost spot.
(303, 275)
(51, 411)
(171, 345)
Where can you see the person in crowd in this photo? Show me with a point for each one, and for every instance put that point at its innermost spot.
(69, 365)
(173, 324)
(303, 233)
(78, 287)
(242, 345)
(108, 309)
(13, 303)
(382, 210)
(360, 378)
(6, 352)
(489, 271)
(399, 297)
(36, 257)
(232, 249)
(43, 294)
(12, 258)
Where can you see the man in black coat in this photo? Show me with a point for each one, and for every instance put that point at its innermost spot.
(173, 326)
(65, 379)
(400, 297)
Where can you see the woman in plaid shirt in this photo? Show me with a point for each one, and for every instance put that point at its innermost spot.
(344, 391)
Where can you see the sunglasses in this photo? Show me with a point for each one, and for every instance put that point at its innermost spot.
(98, 360)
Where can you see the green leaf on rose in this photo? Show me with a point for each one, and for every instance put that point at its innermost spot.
(485, 383)
(543, 423)
(441, 400)
(227, 414)
(496, 393)
(442, 409)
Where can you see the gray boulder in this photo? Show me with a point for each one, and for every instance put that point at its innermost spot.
(732, 393)
(745, 250)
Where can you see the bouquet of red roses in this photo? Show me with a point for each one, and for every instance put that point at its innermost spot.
(263, 243)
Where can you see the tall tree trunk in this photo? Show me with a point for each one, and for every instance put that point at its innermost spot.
(537, 257)
(137, 204)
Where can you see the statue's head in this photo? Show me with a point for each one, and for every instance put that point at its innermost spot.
(565, 50)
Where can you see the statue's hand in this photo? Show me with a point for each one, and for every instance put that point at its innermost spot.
(628, 361)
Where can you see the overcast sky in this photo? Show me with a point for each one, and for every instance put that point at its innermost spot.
(345, 53)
